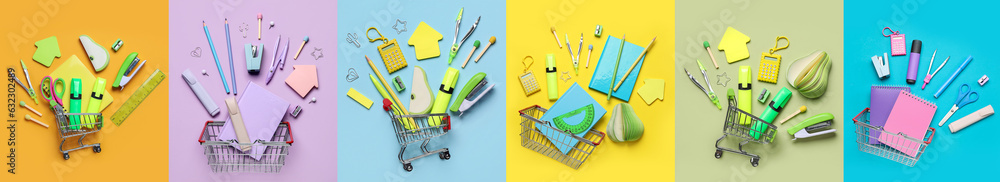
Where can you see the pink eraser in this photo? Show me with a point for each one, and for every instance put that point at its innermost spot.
(259, 16)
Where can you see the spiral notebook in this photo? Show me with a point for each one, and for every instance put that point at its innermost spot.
(883, 98)
(911, 115)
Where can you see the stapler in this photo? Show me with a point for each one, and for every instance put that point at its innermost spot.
(253, 55)
(99, 56)
(813, 126)
(126, 72)
(471, 94)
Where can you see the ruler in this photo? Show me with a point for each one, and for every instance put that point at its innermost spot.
(137, 97)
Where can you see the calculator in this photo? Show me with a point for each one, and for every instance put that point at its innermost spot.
(898, 43)
(392, 56)
(769, 64)
(529, 83)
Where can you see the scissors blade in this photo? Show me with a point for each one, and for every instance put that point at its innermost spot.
(948, 115)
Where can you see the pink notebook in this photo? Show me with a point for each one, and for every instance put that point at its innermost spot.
(911, 115)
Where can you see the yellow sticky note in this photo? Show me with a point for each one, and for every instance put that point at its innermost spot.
(652, 90)
(361, 99)
(425, 41)
(735, 45)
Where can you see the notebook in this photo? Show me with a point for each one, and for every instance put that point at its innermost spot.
(883, 98)
(574, 98)
(262, 111)
(911, 115)
(602, 80)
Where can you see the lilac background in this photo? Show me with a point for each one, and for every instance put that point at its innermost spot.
(313, 155)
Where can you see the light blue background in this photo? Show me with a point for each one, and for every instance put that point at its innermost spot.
(954, 29)
(367, 146)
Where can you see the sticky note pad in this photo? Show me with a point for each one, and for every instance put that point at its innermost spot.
(303, 79)
(652, 91)
(735, 45)
(602, 80)
(361, 99)
(425, 41)
(74, 68)
(48, 49)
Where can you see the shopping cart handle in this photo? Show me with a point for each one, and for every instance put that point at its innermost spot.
(860, 114)
(931, 137)
(386, 104)
(601, 140)
(201, 138)
(447, 120)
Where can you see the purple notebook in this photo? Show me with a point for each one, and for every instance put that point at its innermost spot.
(883, 98)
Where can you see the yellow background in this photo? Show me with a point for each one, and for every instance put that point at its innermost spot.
(135, 151)
(528, 22)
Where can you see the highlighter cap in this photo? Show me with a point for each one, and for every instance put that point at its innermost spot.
(915, 46)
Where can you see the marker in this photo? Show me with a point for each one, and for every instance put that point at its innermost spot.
(952, 78)
(911, 71)
(301, 46)
(211, 45)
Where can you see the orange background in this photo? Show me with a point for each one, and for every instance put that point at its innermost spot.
(135, 150)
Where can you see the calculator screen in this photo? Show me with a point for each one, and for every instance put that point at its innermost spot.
(769, 58)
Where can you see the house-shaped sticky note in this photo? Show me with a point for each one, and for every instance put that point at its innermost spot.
(425, 41)
(48, 49)
(735, 45)
(303, 79)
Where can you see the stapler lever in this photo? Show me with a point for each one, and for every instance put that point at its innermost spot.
(813, 126)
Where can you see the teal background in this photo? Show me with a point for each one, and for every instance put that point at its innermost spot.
(367, 147)
(956, 29)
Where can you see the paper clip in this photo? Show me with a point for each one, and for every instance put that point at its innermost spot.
(353, 39)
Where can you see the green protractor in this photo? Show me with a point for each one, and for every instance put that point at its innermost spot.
(579, 127)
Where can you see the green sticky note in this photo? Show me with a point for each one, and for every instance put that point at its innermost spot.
(48, 49)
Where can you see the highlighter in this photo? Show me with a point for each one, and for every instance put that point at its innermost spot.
(772, 110)
(911, 70)
(444, 95)
(745, 94)
(96, 97)
(551, 76)
(75, 90)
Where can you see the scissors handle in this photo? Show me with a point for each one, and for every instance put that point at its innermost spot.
(968, 98)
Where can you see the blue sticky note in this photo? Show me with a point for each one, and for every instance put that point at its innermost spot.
(602, 80)
(572, 99)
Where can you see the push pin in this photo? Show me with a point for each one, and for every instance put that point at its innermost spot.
(203, 72)
(272, 25)
(313, 100)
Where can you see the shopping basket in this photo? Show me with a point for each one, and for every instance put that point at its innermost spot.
(533, 139)
(422, 132)
(223, 157)
(892, 146)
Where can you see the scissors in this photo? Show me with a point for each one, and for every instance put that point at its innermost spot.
(965, 96)
(49, 92)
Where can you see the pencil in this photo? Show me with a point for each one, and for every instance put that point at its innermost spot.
(395, 100)
(222, 75)
(615, 73)
(229, 44)
(619, 85)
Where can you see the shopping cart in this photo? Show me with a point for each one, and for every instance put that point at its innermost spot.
(533, 139)
(423, 132)
(224, 157)
(76, 126)
(893, 146)
(732, 127)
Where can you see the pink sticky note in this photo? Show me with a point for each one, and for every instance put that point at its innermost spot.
(303, 79)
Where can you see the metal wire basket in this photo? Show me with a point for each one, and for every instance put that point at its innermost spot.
(532, 138)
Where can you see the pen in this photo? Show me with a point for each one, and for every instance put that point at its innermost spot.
(222, 75)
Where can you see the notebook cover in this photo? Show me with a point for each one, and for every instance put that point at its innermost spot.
(911, 115)
(601, 80)
(882, 100)
(262, 111)
(574, 98)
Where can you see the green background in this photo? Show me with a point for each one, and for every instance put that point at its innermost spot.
(810, 26)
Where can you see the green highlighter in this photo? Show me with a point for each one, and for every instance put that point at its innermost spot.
(776, 105)
(551, 76)
(745, 97)
(75, 94)
(96, 97)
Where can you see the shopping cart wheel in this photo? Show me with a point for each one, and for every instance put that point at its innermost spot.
(66, 156)
(718, 154)
(407, 167)
(754, 160)
(445, 155)
(97, 149)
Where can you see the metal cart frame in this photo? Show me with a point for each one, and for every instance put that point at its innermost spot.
(89, 123)
(891, 143)
(423, 132)
(732, 127)
(223, 155)
(533, 139)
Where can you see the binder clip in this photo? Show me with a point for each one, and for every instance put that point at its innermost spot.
(881, 65)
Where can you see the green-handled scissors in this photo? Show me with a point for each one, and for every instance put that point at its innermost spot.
(50, 93)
